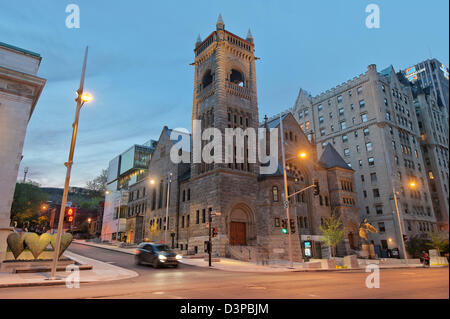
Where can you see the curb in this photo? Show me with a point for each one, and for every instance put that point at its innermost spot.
(37, 284)
(107, 248)
(305, 270)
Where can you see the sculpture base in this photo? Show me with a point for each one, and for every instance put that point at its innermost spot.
(39, 265)
(368, 251)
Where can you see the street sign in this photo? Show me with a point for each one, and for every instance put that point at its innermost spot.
(286, 204)
(217, 214)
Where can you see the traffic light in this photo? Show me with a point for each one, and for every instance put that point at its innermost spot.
(405, 237)
(284, 226)
(70, 214)
(214, 232)
(292, 225)
(316, 189)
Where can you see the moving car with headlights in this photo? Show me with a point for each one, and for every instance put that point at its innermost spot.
(156, 254)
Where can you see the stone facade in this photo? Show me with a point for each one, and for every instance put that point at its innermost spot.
(433, 124)
(246, 208)
(20, 88)
(371, 121)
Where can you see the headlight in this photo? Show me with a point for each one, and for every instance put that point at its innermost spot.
(162, 257)
(178, 257)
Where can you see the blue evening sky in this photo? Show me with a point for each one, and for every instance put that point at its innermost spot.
(139, 54)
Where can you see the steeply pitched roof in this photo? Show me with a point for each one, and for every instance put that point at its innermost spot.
(330, 158)
(275, 121)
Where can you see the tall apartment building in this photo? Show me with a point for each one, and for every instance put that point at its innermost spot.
(20, 89)
(124, 170)
(371, 121)
(433, 124)
(431, 73)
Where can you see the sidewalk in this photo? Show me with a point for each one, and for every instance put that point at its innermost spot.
(100, 272)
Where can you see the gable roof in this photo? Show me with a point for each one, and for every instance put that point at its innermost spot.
(330, 158)
(275, 121)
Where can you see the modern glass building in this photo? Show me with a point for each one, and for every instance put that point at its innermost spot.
(431, 73)
(123, 171)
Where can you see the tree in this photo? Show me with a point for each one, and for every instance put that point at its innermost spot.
(332, 232)
(27, 202)
(438, 240)
(98, 184)
(416, 244)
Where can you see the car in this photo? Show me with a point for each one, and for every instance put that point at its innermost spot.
(156, 255)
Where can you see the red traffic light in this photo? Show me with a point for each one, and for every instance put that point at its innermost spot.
(70, 212)
(215, 231)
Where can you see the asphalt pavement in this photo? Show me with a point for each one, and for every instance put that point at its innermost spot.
(201, 283)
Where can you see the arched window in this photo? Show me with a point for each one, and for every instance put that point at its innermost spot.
(236, 77)
(275, 193)
(207, 79)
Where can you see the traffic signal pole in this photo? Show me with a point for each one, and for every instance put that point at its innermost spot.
(286, 200)
(209, 241)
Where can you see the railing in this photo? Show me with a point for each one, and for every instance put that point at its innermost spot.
(244, 253)
(204, 93)
(237, 90)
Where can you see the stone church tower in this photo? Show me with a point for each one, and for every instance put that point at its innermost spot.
(225, 97)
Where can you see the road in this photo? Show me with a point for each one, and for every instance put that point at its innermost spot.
(202, 283)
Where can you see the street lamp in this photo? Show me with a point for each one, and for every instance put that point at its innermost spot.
(118, 215)
(80, 99)
(412, 185)
(169, 181)
(286, 201)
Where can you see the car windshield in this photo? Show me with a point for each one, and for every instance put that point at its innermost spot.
(162, 248)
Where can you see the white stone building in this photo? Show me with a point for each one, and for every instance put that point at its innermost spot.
(20, 88)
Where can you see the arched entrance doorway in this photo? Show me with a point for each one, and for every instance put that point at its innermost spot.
(240, 225)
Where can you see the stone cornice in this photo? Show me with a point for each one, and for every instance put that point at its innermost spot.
(23, 80)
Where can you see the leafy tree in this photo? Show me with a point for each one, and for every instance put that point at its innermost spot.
(98, 183)
(27, 202)
(438, 240)
(91, 203)
(416, 244)
(42, 220)
(332, 232)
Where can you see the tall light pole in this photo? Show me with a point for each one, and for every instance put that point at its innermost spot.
(118, 216)
(286, 199)
(81, 99)
(394, 191)
(166, 226)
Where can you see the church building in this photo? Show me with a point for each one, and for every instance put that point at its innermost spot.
(246, 207)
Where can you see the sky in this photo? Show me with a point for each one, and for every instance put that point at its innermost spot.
(139, 54)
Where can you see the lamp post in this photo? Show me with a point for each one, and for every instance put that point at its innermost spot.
(286, 200)
(166, 223)
(118, 216)
(81, 99)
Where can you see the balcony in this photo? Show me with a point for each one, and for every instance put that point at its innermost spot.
(239, 91)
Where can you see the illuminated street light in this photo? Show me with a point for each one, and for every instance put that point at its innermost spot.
(86, 97)
(81, 99)
(412, 184)
(302, 154)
